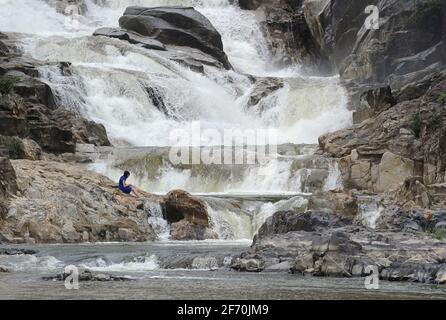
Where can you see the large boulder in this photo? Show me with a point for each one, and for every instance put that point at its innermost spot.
(185, 230)
(288, 221)
(339, 202)
(393, 170)
(57, 202)
(178, 26)
(180, 205)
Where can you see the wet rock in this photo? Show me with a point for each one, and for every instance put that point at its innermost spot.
(59, 202)
(334, 265)
(335, 242)
(14, 252)
(289, 35)
(4, 50)
(279, 267)
(29, 109)
(186, 230)
(178, 205)
(250, 4)
(131, 37)
(441, 275)
(248, 265)
(86, 276)
(372, 103)
(303, 264)
(191, 58)
(4, 269)
(263, 88)
(339, 202)
(179, 26)
(287, 221)
(424, 273)
(205, 263)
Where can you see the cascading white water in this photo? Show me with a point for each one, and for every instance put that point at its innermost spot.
(369, 211)
(112, 82)
(111, 77)
(157, 221)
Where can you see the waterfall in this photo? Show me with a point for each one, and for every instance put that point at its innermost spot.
(157, 221)
(334, 179)
(113, 82)
(141, 96)
(369, 211)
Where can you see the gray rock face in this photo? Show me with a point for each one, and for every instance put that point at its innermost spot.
(287, 221)
(28, 109)
(373, 102)
(396, 142)
(288, 33)
(179, 26)
(367, 56)
(406, 245)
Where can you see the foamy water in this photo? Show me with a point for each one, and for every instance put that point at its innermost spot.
(110, 77)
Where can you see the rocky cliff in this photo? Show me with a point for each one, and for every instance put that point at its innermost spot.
(395, 74)
(289, 34)
(28, 108)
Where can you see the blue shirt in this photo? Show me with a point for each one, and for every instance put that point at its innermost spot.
(121, 185)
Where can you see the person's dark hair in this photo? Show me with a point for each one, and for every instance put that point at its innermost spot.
(126, 174)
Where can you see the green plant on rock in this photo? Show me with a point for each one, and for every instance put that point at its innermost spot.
(438, 235)
(7, 84)
(14, 147)
(442, 98)
(435, 121)
(415, 124)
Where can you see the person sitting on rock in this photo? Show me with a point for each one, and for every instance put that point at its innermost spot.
(124, 187)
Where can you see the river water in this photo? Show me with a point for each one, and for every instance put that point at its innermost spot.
(151, 281)
(108, 85)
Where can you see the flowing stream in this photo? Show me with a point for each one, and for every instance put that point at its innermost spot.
(113, 83)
